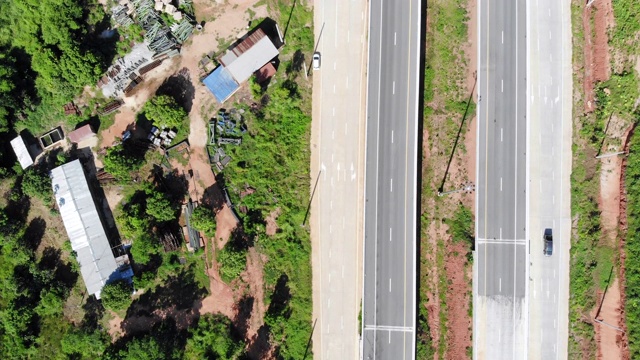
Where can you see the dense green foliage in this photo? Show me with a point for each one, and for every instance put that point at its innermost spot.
(231, 263)
(632, 246)
(461, 225)
(33, 288)
(52, 50)
(159, 206)
(116, 295)
(213, 338)
(203, 219)
(120, 163)
(36, 184)
(164, 111)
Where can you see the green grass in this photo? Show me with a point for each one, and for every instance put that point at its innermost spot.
(591, 261)
(445, 100)
(632, 247)
(274, 159)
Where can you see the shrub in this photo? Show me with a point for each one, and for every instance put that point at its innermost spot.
(36, 184)
(116, 295)
(231, 263)
(203, 219)
(164, 111)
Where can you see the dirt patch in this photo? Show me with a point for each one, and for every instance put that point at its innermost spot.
(115, 326)
(433, 296)
(272, 226)
(221, 300)
(253, 276)
(608, 320)
(596, 47)
(610, 199)
(458, 336)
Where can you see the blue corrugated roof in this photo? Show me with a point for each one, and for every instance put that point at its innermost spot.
(221, 83)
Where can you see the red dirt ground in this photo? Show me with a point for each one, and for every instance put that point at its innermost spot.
(596, 48)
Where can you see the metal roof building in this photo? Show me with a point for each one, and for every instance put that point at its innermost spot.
(239, 63)
(21, 152)
(84, 227)
(221, 84)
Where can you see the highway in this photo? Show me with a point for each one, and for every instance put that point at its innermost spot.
(389, 298)
(337, 164)
(550, 148)
(501, 254)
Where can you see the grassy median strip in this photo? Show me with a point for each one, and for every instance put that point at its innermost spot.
(445, 100)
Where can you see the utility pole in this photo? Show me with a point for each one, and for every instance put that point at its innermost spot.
(468, 187)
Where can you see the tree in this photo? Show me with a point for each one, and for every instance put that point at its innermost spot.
(143, 247)
(146, 348)
(116, 295)
(36, 184)
(163, 110)
(159, 207)
(133, 220)
(213, 338)
(120, 164)
(203, 219)
(78, 344)
(232, 262)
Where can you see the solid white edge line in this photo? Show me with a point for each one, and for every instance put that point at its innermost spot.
(415, 182)
(474, 307)
(527, 178)
(364, 175)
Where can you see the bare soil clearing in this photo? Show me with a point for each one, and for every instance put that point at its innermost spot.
(610, 344)
(596, 48)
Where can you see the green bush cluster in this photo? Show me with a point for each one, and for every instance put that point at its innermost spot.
(632, 247)
(231, 262)
(203, 219)
(117, 295)
(36, 184)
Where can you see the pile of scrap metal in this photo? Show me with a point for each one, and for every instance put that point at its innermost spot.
(229, 126)
(161, 137)
(110, 107)
(218, 158)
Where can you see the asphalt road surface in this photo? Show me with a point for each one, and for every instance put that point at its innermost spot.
(500, 271)
(337, 162)
(390, 210)
(550, 147)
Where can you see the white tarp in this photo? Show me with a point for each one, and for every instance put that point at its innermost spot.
(21, 152)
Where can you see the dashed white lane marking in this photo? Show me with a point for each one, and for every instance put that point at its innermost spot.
(330, 231)
(334, 88)
(500, 285)
(389, 337)
(331, 204)
(394, 87)
(329, 303)
(390, 234)
(329, 278)
(391, 185)
(502, 36)
(500, 184)
(345, 128)
(501, 139)
(394, 38)
(392, 136)
(502, 85)
(333, 134)
(334, 111)
(389, 284)
(334, 67)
